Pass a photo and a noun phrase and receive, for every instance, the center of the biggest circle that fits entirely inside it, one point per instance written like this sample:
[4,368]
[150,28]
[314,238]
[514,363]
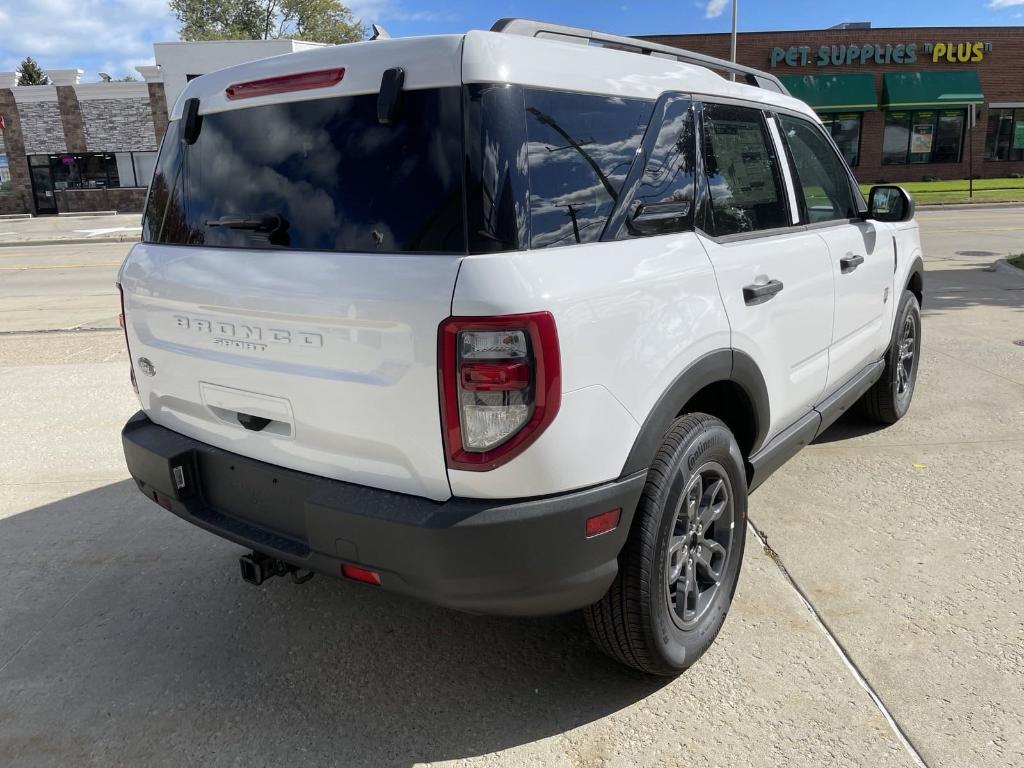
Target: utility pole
[732,45]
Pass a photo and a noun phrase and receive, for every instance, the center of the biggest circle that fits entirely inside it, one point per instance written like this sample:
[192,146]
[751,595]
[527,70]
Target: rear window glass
[316,175]
[580,149]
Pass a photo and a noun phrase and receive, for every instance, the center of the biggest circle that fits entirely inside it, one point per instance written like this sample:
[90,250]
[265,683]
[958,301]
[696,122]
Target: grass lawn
[985,190]
[1017,261]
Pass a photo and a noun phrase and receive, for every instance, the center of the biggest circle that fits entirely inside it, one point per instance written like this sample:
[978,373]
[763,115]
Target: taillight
[500,382]
[300,81]
[122,321]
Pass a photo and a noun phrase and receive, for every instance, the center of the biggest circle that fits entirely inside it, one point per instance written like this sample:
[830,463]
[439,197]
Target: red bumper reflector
[360,574]
[606,521]
[300,81]
[163,501]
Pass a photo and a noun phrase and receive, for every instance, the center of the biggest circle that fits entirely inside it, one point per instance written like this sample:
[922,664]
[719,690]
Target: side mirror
[890,203]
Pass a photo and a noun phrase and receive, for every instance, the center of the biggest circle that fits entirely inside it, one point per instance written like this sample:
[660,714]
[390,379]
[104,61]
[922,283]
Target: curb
[964,206]
[68,241]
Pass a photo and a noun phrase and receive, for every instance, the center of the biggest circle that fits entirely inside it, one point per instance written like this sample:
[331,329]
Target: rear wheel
[889,398]
[679,567]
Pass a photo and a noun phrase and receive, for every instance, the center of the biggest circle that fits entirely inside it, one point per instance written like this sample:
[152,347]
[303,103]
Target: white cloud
[1005,3]
[714,8]
[89,34]
[372,11]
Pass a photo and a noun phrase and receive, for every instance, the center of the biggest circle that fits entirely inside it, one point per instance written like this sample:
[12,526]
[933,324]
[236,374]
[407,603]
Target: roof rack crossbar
[543,29]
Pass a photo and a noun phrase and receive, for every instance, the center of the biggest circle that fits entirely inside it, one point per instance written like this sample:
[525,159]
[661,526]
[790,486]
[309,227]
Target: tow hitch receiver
[257,568]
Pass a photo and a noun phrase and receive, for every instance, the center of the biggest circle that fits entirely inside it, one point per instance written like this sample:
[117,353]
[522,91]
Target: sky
[116,35]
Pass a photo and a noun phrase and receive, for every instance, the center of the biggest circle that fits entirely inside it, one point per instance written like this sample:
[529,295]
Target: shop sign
[878,54]
[1018,134]
[921,139]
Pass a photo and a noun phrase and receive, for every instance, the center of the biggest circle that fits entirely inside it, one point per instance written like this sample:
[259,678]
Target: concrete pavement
[122,227]
[126,636]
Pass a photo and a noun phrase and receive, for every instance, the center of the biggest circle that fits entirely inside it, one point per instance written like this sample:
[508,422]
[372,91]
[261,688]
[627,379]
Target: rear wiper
[263,223]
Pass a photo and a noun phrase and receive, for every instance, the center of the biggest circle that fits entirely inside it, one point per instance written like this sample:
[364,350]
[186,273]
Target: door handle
[759,293]
[850,262]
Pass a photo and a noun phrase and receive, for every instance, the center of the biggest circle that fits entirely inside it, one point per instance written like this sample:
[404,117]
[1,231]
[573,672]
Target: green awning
[834,93]
[910,90]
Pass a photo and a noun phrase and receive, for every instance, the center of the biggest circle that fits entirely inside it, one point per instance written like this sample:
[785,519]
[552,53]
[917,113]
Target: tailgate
[330,359]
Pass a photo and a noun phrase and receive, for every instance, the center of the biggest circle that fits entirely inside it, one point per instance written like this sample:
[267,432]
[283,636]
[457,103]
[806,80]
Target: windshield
[316,175]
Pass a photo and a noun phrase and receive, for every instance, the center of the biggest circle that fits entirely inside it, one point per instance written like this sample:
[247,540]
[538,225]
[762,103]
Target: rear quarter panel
[630,316]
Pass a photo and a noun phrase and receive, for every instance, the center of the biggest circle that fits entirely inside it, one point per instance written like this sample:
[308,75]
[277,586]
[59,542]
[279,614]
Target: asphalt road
[126,637]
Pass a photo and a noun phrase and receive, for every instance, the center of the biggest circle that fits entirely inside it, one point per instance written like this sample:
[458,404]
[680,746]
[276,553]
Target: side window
[663,202]
[821,175]
[580,148]
[742,171]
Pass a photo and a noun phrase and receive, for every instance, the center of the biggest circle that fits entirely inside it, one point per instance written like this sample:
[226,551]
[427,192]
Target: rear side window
[663,202]
[821,176]
[316,175]
[742,171]
[580,148]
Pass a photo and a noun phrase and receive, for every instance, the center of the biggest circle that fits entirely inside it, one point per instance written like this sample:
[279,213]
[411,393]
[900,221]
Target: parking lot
[127,637]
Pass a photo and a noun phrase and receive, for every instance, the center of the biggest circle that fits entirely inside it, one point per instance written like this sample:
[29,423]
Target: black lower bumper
[513,557]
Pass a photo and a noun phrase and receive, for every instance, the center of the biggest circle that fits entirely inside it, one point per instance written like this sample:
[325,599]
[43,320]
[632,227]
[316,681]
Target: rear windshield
[316,175]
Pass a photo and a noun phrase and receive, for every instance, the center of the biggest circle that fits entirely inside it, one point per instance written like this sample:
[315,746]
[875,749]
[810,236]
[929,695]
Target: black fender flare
[916,268]
[720,365]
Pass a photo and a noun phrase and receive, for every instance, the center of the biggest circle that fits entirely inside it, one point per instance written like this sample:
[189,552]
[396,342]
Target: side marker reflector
[603,523]
[360,574]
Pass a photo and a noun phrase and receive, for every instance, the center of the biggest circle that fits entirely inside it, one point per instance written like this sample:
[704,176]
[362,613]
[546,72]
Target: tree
[321,21]
[31,74]
[127,79]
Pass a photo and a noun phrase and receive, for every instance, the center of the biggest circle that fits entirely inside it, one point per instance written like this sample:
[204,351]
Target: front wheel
[889,398]
[679,567]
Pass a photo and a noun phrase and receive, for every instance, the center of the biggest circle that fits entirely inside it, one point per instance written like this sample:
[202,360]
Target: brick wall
[122,200]
[999,72]
[42,127]
[118,125]
[19,199]
[71,117]
[158,105]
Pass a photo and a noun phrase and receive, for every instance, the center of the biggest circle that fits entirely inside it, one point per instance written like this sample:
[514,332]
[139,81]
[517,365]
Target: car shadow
[127,637]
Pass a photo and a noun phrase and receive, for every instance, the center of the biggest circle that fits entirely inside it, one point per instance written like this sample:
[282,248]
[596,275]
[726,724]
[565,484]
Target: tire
[646,620]
[889,398]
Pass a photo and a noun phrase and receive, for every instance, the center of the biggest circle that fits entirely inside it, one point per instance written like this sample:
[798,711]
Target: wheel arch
[915,280]
[726,384]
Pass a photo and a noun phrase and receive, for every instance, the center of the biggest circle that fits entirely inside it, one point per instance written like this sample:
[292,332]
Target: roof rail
[547,30]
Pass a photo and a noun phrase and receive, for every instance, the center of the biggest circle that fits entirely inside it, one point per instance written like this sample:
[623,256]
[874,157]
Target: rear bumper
[516,557]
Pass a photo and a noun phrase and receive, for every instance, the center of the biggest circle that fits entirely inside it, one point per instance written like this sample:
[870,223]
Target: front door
[42,186]
[861,252]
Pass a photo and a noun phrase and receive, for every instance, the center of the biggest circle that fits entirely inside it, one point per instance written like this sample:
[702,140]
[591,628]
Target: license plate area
[256,493]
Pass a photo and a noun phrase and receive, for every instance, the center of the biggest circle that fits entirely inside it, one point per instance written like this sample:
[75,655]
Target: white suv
[505,322]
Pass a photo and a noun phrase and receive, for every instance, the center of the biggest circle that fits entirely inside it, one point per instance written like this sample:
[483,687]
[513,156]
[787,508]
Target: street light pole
[732,45]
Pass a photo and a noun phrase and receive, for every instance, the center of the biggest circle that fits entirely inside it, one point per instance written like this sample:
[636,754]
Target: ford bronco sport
[507,322]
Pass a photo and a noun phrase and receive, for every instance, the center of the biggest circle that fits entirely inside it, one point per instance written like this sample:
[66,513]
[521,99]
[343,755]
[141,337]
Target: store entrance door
[42,188]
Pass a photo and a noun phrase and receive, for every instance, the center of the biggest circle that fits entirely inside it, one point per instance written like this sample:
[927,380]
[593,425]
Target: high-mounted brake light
[500,386]
[300,81]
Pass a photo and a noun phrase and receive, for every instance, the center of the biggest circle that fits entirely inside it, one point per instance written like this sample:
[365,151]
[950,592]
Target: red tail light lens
[500,384]
[301,81]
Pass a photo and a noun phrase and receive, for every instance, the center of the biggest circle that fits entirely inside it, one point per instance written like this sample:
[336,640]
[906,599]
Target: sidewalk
[50,230]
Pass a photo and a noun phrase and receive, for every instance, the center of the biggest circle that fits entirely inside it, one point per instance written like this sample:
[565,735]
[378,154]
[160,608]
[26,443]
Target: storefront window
[926,136]
[1004,135]
[896,138]
[5,169]
[85,171]
[845,130]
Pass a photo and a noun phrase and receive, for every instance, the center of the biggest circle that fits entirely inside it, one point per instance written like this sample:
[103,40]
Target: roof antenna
[379,33]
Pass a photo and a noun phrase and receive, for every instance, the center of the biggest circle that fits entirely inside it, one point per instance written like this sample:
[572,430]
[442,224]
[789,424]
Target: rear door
[860,251]
[297,261]
[774,276]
